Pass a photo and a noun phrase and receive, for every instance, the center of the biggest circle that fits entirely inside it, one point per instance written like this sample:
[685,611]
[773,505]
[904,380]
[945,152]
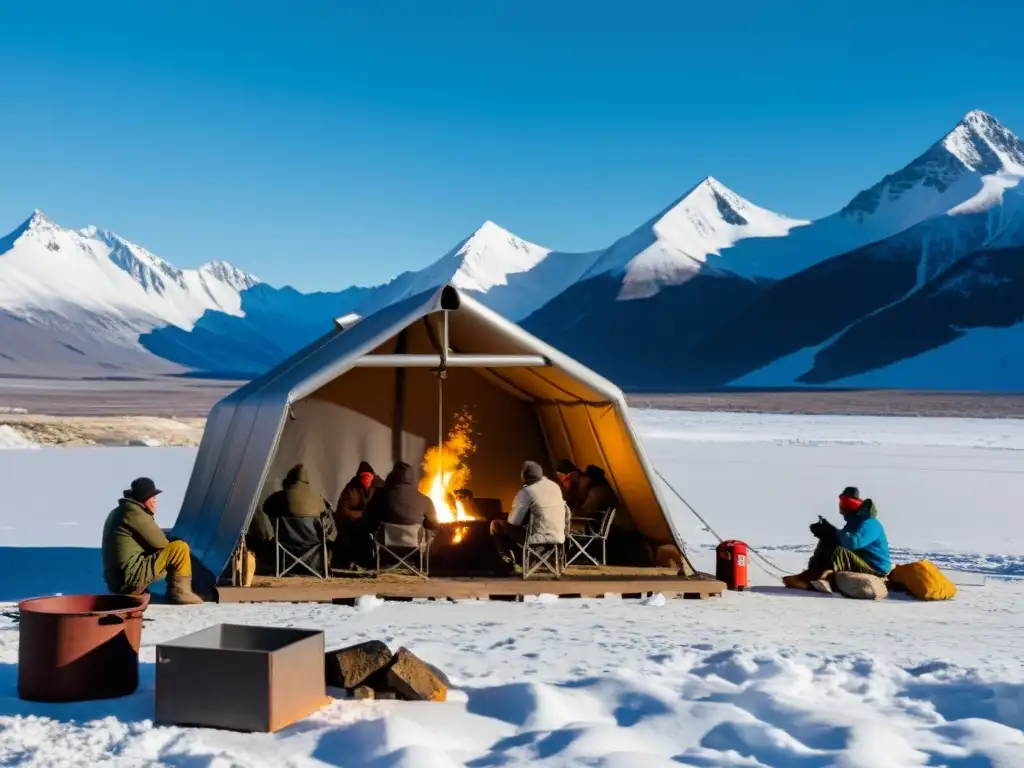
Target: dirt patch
[70,432]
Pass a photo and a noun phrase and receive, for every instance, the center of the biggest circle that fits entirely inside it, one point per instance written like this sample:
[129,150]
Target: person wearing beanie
[860,546]
[568,475]
[539,500]
[136,553]
[354,545]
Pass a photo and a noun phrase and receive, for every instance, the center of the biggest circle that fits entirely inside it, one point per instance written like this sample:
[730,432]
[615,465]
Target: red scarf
[365,478]
[849,504]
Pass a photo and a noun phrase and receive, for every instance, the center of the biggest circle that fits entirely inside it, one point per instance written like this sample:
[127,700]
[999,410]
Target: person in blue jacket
[860,546]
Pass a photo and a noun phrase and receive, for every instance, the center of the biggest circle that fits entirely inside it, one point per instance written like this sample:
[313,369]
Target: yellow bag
[923,580]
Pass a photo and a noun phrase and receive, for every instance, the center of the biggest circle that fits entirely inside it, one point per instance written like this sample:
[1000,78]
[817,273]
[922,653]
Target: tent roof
[243,429]
[474,329]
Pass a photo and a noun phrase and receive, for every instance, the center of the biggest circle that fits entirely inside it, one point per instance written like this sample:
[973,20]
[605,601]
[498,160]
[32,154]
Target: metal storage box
[240,678]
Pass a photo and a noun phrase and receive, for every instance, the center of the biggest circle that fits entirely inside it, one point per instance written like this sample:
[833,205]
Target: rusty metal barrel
[79,647]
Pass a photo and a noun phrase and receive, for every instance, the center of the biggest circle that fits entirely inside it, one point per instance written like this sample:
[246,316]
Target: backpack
[923,580]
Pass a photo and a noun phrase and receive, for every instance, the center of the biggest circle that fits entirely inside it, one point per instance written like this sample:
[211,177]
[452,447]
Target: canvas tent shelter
[369,390]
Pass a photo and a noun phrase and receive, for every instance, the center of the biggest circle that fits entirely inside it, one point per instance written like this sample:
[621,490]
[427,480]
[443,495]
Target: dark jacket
[571,489]
[595,499]
[297,499]
[864,535]
[354,497]
[401,503]
[131,538]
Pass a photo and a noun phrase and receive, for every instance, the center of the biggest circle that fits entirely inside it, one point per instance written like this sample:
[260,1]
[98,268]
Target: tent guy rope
[713,532]
[960,578]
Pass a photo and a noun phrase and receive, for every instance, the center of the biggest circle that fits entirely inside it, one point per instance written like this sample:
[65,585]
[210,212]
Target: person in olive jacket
[136,553]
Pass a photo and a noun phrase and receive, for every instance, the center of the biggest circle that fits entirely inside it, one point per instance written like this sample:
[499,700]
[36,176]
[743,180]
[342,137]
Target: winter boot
[822,585]
[796,581]
[179,591]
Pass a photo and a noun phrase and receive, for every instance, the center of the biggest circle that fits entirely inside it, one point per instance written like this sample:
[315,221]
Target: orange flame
[445,472]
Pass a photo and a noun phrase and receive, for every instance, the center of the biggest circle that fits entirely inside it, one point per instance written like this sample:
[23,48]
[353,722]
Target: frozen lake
[764,678]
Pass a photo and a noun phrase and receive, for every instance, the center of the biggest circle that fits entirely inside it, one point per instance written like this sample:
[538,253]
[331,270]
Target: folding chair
[408,545]
[541,556]
[580,542]
[286,559]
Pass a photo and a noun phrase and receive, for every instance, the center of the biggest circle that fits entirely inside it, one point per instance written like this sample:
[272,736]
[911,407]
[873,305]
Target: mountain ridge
[712,268]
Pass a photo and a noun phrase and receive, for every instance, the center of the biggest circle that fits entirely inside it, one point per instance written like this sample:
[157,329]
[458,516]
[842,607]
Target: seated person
[400,502]
[136,553]
[357,494]
[626,546]
[302,513]
[568,475]
[595,495]
[540,500]
[353,544]
[860,546]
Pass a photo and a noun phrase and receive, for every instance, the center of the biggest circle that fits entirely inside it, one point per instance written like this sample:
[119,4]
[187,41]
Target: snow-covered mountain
[88,302]
[511,275]
[712,290]
[760,308]
[968,167]
[93,278]
[684,239]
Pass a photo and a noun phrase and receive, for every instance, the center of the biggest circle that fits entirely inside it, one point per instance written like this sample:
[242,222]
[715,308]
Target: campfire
[446,476]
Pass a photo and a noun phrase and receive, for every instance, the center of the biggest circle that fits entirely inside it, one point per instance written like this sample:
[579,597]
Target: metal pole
[440,423]
[451,361]
[444,340]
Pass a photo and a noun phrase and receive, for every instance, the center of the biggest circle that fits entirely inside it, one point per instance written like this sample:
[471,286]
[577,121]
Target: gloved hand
[822,528]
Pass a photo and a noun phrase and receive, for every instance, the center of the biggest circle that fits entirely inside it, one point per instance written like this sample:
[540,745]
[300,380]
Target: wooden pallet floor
[628,582]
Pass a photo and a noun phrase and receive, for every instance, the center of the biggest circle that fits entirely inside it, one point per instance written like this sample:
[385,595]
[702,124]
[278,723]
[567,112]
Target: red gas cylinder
[731,564]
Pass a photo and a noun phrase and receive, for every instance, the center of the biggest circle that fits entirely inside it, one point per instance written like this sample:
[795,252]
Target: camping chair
[287,557]
[542,556]
[580,543]
[408,545]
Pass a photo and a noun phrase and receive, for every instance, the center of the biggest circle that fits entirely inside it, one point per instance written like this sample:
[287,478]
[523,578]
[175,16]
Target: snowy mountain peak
[948,174]
[228,274]
[678,242]
[38,217]
[97,280]
[486,258]
[709,196]
[37,222]
[983,144]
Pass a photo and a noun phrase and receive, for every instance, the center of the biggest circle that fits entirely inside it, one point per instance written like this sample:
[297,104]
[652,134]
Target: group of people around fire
[136,551]
[367,501]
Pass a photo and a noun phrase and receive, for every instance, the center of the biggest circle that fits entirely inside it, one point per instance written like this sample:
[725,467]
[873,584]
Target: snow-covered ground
[767,677]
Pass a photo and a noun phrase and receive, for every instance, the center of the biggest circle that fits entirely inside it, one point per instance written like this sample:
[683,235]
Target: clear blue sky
[328,143]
